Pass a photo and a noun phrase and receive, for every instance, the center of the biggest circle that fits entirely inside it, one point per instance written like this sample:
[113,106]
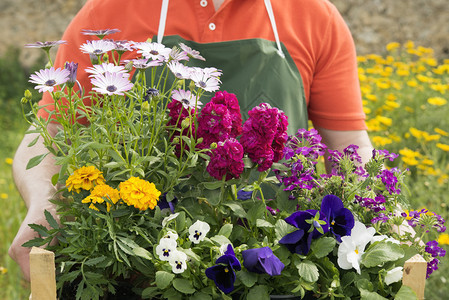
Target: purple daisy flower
[190,52]
[177,55]
[47,79]
[262,260]
[111,84]
[97,47]
[45,45]
[99,33]
[143,63]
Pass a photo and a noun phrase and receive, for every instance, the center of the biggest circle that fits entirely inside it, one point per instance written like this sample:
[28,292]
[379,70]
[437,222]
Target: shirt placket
[210,21]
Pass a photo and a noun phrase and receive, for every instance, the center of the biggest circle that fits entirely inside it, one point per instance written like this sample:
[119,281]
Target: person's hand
[21,254]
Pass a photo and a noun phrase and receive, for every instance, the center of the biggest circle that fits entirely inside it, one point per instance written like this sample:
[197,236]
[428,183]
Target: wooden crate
[43,283]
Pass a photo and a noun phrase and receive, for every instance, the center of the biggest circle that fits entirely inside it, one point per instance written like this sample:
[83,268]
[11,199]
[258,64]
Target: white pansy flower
[178,262]
[166,248]
[171,234]
[168,219]
[198,231]
[394,275]
[353,246]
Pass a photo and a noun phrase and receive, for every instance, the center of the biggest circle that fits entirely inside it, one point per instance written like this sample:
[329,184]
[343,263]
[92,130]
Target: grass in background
[405,94]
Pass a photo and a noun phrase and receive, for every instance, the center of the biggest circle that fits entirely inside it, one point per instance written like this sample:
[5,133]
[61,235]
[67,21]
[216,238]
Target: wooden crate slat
[42,274]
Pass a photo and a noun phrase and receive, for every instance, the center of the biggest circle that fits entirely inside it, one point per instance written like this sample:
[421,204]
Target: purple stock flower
[433,249]
[384,154]
[231,102]
[351,152]
[340,219]
[390,180]
[222,273]
[299,241]
[432,266]
[226,160]
[375,204]
[262,260]
[214,124]
[381,217]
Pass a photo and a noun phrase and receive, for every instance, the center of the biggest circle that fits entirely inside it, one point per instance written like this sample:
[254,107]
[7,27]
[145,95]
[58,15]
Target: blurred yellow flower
[409,109]
[3,270]
[100,193]
[403,72]
[371,97]
[4,196]
[423,78]
[9,160]
[84,178]
[139,193]
[409,44]
[412,83]
[392,46]
[381,141]
[443,239]
[427,161]
[384,120]
[440,131]
[443,147]
[438,101]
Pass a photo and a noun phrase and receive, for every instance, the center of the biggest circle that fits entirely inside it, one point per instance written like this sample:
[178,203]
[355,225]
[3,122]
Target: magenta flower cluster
[226,160]
[264,135]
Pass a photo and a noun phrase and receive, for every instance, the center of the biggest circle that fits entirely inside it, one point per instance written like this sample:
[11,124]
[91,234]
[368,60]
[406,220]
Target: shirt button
[203,3]
[211,26]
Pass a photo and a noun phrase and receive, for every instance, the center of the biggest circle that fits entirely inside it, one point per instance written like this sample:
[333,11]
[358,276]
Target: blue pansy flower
[223,273]
[299,241]
[262,260]
[244,195]
[340,219]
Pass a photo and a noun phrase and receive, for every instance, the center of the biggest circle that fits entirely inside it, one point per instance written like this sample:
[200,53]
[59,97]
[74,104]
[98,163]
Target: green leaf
[200,296]
[34,141]
[367,295]
[36,160]
[308,271]
[263,223]
[212,185]
[405,293]
[220,240]
[323,246]
[381,253]
[36,242]
[259,292]
[54,179]
[142,252]
[42,230]
[257,211]
[237,209]
[226,230]
[51,221]
[95,261]
[163,279]
[183,285]
[247,278]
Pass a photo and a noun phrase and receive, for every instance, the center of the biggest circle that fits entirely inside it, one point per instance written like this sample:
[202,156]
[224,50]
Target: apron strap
[273,25]
[163,18]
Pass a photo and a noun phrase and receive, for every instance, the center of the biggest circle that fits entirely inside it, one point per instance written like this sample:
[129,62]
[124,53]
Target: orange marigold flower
[100,193]
[139,193]
[84,178]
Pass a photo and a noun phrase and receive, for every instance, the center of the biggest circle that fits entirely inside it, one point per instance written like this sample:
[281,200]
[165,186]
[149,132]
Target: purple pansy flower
[244,195]
[299,241]
[262,260]
[223,272]
[340,219]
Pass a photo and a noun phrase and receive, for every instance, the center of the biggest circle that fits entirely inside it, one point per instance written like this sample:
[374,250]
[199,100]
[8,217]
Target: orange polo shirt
[313,32]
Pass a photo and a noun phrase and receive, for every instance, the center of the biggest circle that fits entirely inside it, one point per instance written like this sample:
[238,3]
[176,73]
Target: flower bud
[185,123]
[192,85]
[180,84]
[105,57]
[109,114]
[27,94]
[72,68]
[58,95]
[200,140]
[129,66]
[24,100]
[176,140]
[145,106]
[213,145]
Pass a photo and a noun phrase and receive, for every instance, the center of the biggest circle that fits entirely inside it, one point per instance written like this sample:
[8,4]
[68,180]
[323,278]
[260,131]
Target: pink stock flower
[226,160]
[214,124]
[231,102]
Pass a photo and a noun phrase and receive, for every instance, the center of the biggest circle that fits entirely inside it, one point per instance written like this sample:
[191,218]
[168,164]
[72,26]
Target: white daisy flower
[144,63]
[178,262]
[198,231]
[179,70]
[353,246]
[106,67]
[111,84]
[153,50]
[97,47]
[190,52]
[204,80]
[47,79]
[166,248]
[186,98]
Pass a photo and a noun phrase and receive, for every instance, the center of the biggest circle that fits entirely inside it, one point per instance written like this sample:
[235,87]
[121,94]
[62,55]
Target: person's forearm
[34,184]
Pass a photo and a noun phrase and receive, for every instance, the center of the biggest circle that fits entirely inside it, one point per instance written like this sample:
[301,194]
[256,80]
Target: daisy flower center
[111,88]
[185,101]
[50,82]
[97,52]
[202,84]
[154,52]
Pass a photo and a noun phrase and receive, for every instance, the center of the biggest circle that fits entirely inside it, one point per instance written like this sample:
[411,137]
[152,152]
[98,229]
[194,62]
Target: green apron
[255,71]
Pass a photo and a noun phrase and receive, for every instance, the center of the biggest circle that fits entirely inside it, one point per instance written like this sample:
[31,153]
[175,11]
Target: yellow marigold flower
[443,147]
[443,239]
[139,193]
[8,160]
[392,46]
[384,120]
[4,196]
[416,132]
[3,270]
[84,178]
[438,101]
[100,193]
[440,131]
